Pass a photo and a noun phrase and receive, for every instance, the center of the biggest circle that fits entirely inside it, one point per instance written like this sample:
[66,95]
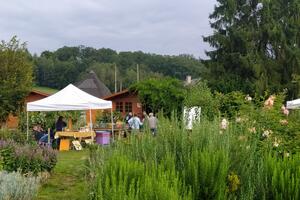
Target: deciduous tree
[15,76]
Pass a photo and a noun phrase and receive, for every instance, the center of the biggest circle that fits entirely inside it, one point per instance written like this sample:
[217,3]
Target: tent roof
[69,98]
[295,104]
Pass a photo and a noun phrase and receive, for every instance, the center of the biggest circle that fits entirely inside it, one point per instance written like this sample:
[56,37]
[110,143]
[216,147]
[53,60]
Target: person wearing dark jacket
[60,124]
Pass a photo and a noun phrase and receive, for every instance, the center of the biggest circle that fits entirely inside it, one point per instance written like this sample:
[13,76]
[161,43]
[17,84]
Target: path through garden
[68,178]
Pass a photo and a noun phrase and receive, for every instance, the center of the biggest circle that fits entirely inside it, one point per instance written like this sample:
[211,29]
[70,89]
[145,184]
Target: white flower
[267,133]
[238,119]
[224,124]
[276,143]
[287,154]
[248,98]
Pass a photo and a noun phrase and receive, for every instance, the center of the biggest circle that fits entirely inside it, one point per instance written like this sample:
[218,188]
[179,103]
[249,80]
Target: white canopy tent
[67,99]
[295,104]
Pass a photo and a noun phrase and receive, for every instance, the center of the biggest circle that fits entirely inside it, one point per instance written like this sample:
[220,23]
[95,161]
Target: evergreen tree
[256,45]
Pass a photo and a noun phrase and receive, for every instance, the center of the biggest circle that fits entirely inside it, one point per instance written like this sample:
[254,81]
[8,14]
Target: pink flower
[284,110]
[269,102]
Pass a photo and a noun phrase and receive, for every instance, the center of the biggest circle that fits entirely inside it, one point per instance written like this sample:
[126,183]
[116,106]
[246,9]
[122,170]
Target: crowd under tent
[69,98]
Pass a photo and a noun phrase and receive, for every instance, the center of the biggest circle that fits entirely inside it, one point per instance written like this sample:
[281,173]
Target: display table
[74,134]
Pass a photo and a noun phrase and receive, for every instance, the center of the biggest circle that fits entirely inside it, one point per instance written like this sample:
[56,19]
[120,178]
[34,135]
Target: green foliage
[69,64]
[157,95]
[256,46]
[231,103]
[26,158]
[14,135]
[15,76]
[14,186]
[47,119]
[206,163]
[200,95]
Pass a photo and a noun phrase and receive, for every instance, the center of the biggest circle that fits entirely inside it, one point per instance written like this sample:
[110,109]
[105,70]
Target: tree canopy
[256,46]
[163,94]
[15,76]
[68,64]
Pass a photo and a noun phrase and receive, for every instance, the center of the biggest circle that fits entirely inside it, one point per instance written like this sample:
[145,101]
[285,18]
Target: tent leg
[27,126]
[112,123]
[48,136]
[91,125]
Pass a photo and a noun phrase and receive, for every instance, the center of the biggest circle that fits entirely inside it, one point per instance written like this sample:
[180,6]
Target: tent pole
[91,125]
[49,137]
[112,123]
[27,125]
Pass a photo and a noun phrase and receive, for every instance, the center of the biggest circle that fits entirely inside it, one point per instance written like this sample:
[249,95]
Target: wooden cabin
[125,102]
[13,121]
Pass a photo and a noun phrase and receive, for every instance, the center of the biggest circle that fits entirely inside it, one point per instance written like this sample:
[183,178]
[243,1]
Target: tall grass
[206,163]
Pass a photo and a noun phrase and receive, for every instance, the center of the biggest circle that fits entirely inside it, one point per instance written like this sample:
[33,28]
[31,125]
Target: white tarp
[190,116]
[69,98]
[295,104]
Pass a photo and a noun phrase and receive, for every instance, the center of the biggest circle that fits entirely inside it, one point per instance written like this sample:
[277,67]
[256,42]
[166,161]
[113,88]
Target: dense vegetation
[211,162]
[15,76]
[256,46]
[69,64]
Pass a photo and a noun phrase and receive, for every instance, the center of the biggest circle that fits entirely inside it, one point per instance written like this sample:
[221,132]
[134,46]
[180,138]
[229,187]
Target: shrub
[15,135]
[205,163]
[14,186]
[26,158]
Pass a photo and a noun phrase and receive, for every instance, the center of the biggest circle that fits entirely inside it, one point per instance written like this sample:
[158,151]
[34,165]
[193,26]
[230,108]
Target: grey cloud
[164,27]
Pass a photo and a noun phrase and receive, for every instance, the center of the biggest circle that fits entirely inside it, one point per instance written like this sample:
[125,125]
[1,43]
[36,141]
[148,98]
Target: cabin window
[119,106]
[128,107]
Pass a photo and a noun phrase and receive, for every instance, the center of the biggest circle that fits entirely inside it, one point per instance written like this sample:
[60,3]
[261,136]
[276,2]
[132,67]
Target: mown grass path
[68,178]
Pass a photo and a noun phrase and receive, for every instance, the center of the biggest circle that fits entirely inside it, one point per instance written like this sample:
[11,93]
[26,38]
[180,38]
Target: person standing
[60,124]
[135,123]
[152,123]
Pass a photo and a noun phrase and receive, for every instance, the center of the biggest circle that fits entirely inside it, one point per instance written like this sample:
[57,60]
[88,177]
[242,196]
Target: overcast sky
[154,26]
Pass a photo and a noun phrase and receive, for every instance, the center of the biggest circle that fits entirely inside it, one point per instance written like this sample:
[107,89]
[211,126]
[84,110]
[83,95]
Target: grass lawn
[68,178]
[46,90]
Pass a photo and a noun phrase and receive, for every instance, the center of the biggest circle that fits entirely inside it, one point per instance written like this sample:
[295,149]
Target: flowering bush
[14,186]
[26,158]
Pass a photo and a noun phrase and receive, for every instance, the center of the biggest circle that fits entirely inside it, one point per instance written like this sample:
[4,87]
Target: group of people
[132,120]
[41,136]
[135,123]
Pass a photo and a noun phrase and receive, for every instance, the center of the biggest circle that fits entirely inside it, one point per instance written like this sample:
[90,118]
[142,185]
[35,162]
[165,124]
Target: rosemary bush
[206,163]
[14,186]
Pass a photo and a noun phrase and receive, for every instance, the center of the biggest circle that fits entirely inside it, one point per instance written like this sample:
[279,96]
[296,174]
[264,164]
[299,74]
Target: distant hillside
[69,64]
[46,90]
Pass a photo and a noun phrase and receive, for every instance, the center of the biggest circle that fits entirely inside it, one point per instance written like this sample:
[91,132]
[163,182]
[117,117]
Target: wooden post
[48,136]
[112,124]
[27,123]
[137,73]
[91,126]
[116,89]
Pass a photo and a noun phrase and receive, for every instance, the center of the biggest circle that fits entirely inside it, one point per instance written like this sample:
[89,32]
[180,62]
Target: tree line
[70,64]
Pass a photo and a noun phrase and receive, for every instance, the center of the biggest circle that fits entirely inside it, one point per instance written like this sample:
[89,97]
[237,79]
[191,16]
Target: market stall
[70,98]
